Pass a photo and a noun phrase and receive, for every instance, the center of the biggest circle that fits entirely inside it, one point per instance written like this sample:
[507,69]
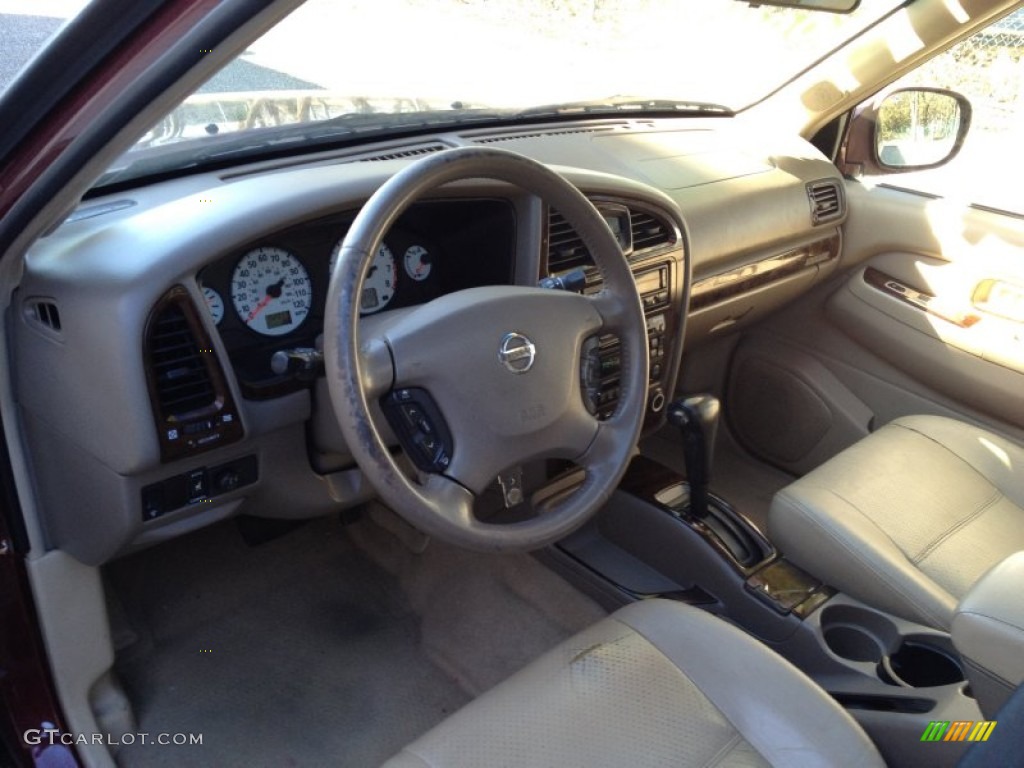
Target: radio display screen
[650,282]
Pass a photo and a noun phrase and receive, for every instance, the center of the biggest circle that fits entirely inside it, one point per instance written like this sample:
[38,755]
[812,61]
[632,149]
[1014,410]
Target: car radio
[601,376]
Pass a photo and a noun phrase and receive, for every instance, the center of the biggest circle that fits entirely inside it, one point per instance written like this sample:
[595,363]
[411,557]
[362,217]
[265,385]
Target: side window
[987,69]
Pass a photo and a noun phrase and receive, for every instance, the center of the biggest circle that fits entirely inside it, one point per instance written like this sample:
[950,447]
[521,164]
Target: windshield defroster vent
[191,402]
[538,134]
[827,203]
[426,149]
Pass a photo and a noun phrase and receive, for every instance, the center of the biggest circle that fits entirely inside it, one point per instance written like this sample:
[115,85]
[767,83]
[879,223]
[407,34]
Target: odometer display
[271,291]
[277,319]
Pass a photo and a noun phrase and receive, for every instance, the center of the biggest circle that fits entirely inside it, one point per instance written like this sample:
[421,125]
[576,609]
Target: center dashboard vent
[648,231]
[566,249]
[827,203]
[192,404]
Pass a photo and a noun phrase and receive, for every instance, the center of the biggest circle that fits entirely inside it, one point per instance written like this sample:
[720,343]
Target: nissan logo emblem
[517,352]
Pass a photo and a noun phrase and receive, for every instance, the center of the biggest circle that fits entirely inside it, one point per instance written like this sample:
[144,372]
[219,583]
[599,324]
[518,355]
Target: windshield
[338,68]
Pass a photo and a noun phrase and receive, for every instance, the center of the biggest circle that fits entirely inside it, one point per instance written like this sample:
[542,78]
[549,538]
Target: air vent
[565,248]
[425,149]
[537,134]
[181,380]
[826,201]
[567,251]
[648,231]
[43,312]
[191,400]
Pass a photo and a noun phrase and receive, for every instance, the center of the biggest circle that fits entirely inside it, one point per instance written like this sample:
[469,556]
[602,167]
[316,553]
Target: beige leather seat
[654,684]
[908,518]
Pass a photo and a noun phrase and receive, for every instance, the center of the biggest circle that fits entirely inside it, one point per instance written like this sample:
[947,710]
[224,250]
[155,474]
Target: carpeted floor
[308,651]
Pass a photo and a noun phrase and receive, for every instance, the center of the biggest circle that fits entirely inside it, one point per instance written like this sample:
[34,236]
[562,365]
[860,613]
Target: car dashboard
[434,248]
[165,333]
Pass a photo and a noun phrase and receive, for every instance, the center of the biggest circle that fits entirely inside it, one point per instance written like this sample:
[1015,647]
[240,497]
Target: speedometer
[271,291]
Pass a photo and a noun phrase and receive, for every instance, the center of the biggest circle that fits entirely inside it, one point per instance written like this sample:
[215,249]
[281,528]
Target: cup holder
[852,643]
[919,664]
[857,634]
[861,635]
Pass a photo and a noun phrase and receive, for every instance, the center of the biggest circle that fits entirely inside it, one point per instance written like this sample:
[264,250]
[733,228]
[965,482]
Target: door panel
[925,317]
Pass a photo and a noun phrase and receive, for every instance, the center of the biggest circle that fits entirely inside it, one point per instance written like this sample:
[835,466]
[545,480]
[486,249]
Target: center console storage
[988,630]
[865,636]
[893,675]
[646,543]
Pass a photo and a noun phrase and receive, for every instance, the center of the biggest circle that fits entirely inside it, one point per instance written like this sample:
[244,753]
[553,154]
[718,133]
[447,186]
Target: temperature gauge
[417,262]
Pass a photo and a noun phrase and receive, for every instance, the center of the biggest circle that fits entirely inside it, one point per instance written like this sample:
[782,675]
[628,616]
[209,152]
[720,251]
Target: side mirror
[911,129]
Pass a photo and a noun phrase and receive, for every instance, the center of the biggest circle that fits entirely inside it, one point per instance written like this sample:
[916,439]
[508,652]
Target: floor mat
[485,616]
[297,652]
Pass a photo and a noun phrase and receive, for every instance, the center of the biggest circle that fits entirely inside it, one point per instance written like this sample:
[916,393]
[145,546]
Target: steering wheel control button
[590,374]
[517,353]
[417,421]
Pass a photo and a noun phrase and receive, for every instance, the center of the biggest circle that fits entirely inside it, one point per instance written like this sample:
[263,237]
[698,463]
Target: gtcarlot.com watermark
[50,737]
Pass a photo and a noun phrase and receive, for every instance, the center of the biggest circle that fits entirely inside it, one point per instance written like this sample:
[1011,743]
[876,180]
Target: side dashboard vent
[649,231]
[44,314]
[191,401]
[827,202]
[565,248]
[181,380]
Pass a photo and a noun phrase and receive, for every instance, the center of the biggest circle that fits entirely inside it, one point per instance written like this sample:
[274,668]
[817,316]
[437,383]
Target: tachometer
[381,279]
[271,291]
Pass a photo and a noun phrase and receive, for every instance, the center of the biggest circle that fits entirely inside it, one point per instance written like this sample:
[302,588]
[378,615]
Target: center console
[666,535]
[988,630]
[655,250]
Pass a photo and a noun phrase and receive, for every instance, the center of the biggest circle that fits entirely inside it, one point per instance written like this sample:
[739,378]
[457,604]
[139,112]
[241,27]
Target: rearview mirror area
[920,128]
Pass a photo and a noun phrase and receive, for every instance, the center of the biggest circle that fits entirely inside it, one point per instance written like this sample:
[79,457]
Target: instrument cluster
[269,295]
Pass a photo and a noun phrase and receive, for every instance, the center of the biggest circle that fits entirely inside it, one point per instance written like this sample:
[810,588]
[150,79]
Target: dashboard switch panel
[197,486]
[421,428]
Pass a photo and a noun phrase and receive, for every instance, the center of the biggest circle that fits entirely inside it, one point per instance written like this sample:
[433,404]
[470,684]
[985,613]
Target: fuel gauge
[417,262]
[214,303]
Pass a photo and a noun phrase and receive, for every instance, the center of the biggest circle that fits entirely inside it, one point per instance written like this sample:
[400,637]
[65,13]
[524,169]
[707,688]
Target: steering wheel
[484,379]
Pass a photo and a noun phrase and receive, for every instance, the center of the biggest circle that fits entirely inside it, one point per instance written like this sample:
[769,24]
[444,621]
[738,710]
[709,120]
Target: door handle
[1001,298]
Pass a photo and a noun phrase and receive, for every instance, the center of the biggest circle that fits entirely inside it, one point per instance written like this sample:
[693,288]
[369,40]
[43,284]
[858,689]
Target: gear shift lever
[697,419]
